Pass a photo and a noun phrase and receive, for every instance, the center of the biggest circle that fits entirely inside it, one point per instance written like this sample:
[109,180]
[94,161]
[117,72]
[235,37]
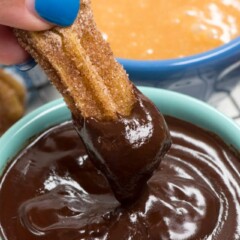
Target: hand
[33,15]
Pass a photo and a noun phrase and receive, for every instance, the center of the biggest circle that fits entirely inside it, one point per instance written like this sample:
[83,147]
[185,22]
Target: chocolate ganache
[53,191]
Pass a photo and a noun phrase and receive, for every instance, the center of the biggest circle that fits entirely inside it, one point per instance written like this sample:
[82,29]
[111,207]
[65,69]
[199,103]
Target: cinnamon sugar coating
[81,65]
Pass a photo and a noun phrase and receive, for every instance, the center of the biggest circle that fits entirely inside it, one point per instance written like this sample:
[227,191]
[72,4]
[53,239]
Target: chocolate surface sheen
[52,191]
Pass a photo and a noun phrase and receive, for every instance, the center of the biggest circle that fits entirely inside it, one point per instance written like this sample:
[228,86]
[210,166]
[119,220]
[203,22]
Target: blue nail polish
[26,65]
[59,12]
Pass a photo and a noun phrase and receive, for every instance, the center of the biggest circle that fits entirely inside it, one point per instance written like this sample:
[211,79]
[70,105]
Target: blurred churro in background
[12,98]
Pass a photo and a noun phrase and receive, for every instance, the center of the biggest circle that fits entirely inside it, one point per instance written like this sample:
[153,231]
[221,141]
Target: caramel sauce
[160,29]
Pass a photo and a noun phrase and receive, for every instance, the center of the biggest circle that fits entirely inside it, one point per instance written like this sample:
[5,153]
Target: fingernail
[26,65]
[59,12]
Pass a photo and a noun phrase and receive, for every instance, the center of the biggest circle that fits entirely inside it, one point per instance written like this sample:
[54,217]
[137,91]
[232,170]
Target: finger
[20,14]
[38,14]
[10,51]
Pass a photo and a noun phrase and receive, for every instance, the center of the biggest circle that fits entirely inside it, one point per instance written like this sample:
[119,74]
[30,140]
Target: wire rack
[228,102]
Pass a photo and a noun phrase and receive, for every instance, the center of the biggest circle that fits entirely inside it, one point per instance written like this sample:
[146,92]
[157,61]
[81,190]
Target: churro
[81,65]
[124,133]
[12,96]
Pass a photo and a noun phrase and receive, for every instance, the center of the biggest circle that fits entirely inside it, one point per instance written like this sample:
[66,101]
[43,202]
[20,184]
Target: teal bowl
[169,103]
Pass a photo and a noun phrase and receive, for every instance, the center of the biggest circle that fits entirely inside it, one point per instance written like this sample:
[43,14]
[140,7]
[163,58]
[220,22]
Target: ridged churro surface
[81,65]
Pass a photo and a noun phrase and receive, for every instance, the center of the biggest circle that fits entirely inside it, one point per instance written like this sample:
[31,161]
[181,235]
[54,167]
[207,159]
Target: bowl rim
[220,52]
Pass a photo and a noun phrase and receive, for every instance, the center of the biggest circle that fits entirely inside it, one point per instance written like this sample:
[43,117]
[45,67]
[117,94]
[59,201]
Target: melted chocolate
[129,149]
[53,191]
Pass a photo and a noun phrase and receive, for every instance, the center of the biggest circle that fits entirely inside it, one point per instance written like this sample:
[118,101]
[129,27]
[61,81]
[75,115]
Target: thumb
[35,15]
